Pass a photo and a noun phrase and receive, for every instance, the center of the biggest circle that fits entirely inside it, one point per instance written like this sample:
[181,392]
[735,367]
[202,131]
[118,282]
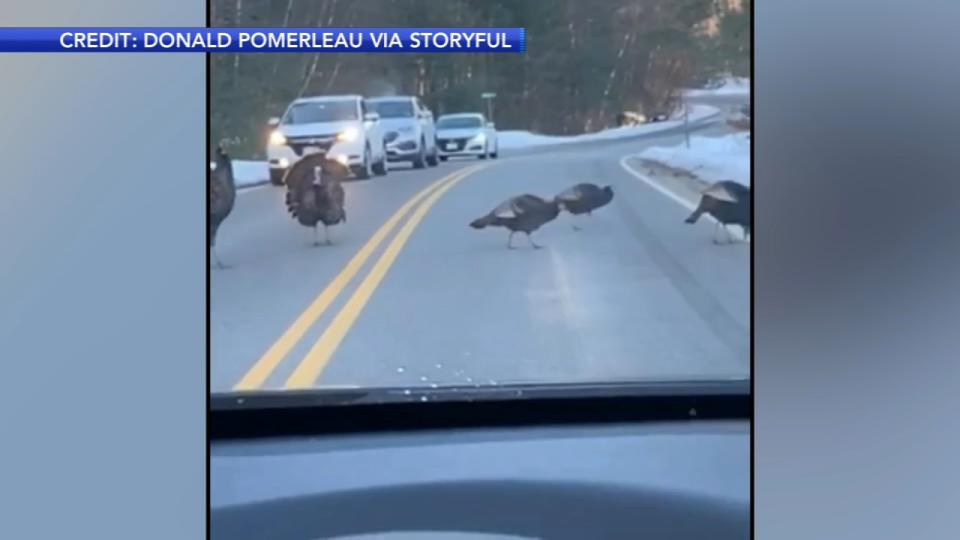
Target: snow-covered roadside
[709,158]
[250,173]
[732,86]
[510,140]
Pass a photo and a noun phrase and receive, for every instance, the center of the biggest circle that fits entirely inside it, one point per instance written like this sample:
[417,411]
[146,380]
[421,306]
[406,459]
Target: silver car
[408,129]
[466,134]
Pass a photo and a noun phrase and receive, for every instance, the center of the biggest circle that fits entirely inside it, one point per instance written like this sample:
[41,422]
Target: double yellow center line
[319,355]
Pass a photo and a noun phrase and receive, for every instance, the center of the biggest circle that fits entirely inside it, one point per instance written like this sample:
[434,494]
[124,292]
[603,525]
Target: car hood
[318,128]
[394,124]
[460,133]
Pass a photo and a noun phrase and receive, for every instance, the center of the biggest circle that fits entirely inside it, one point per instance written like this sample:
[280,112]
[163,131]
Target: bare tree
[585,61]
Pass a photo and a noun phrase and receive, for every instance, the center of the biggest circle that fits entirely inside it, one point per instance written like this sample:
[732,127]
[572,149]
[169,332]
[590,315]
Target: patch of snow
[731,86]
[524,139]
[249,173]
[710,158]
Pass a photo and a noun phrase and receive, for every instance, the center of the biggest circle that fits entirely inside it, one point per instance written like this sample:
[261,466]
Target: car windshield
[392,109]
[598,233]
[311,112]
[459,122]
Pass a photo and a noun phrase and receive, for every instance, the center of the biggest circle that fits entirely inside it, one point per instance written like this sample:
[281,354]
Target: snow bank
[731,86]
[249,173]
[710,158]
[509,140]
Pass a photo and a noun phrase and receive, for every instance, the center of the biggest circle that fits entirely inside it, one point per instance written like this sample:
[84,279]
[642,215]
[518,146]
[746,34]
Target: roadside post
[488,96]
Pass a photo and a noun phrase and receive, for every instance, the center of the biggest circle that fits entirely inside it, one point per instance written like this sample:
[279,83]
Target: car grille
[459,142]
[321,142]
[407,145]
[390,137]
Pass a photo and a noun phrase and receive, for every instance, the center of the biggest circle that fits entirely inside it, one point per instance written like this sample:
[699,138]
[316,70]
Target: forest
[585,61]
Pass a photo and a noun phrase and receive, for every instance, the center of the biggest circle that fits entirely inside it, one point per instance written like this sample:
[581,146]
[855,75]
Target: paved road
[636,294]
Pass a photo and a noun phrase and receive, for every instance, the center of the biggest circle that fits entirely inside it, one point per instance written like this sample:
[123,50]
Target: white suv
[340,126]
[408,129]
[466,134]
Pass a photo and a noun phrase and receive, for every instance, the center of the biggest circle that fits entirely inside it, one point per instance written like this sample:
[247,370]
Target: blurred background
[856,261]
[103,282]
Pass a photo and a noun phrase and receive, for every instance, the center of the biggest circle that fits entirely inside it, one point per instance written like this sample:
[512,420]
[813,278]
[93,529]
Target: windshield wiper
[270,399]
[352,410]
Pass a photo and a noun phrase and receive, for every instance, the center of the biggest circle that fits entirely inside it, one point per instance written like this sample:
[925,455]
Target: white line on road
[656,185]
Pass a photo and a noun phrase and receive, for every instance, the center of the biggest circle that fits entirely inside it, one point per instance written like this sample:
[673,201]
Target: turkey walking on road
[315,193]
[729,203]
[221,196]
[524,213]
[584,199]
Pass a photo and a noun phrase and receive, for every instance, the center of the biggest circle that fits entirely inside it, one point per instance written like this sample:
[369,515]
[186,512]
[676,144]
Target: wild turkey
[524,213]
[222,194]
[584,199]
[315,194]
[729,203]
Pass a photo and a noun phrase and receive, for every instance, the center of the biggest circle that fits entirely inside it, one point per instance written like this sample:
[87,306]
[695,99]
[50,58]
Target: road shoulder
[681,186]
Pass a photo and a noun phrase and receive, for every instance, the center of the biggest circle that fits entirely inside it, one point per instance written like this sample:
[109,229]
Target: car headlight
[277,138]
[349,134]
[478,138]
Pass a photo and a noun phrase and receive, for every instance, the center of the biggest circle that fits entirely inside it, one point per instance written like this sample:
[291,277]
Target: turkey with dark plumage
[315,193]
[584,199]
[729,203]
[524,213]
[222,192]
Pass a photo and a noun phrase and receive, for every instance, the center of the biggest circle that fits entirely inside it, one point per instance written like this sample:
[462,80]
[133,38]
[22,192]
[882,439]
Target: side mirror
[371,117]
[491,125]
[273,122]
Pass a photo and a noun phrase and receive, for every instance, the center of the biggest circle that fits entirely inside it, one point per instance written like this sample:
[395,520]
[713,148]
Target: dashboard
[677,480]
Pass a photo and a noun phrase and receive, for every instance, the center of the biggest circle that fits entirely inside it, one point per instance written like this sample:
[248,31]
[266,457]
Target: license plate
[307,150]
[451,146]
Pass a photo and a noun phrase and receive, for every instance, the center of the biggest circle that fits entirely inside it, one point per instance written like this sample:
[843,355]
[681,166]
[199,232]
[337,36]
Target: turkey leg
[532,243]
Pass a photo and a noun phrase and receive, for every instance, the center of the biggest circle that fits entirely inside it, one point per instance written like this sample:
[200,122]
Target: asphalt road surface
[409,295]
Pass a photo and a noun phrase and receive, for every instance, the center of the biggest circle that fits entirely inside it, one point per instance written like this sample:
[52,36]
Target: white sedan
[466,134]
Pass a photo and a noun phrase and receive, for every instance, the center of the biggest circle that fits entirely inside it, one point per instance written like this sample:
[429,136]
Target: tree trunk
[236,56]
